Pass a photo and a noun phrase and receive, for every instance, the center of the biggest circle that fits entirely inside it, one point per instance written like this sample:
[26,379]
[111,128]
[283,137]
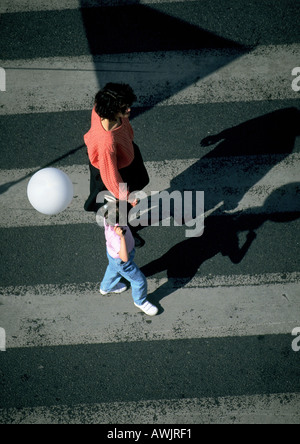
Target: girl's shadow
[221,235]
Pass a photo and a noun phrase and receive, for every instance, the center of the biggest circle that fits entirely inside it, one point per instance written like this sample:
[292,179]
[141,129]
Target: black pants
[96,186]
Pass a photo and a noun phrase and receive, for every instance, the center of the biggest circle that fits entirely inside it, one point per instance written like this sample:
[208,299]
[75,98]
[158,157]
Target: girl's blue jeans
[129,270]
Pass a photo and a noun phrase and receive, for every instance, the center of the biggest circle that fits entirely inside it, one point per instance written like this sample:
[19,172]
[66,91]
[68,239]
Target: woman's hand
[134,203]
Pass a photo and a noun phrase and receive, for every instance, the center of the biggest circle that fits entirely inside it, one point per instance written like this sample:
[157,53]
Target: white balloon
[50,191]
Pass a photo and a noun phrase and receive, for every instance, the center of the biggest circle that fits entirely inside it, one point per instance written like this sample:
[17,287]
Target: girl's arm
[123,250]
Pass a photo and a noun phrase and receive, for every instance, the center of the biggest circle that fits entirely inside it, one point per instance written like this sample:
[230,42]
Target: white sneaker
[119,288]
[148,308]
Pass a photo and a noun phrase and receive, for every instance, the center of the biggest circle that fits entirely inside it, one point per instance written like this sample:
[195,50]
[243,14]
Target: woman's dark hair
[110,99]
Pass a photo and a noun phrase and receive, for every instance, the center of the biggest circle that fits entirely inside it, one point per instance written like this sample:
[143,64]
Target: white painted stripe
[251,183]
[278,408]
[12,6]
[165,78]
[244,280]
[52,315]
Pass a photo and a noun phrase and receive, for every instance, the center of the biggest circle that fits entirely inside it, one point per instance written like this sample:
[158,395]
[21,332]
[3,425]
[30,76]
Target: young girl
[120,252]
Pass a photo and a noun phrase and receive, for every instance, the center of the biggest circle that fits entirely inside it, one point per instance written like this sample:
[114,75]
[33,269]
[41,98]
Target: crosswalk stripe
[229,306]
[210,76]
[195,282]
[234,180]
[7,6]
[259,409]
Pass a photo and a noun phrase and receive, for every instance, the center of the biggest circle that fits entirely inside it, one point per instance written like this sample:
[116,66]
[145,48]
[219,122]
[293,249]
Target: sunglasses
[124,108]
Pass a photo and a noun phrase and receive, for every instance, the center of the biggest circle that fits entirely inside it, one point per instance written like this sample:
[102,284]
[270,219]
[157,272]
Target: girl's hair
[112,214]
[110,99]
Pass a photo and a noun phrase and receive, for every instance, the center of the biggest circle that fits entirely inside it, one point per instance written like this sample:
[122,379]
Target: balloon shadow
[6,186]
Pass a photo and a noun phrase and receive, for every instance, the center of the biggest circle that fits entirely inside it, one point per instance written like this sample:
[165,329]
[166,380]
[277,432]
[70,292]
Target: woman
[113,156]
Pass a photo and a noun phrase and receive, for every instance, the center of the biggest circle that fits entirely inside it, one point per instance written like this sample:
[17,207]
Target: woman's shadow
[245,153]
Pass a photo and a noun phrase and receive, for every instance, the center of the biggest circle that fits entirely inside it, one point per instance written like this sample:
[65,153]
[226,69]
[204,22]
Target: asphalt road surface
[217,111]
